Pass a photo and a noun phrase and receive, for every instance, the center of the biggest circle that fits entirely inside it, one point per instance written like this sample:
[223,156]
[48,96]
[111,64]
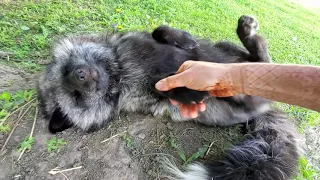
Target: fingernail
[173,102]
[184,114]
[160,85]
[202,107]
[193,115]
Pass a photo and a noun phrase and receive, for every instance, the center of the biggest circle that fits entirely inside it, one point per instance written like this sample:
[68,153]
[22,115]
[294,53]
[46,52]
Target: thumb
[171,82]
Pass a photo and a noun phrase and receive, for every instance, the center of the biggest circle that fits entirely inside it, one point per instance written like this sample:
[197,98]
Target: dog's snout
[94,74]
[80,74]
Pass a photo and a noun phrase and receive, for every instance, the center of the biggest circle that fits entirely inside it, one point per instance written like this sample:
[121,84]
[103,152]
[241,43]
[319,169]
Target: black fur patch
[59,122]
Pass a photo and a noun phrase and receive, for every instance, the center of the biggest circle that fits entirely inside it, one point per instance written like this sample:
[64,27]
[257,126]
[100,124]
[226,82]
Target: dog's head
[78,82]
[82,64]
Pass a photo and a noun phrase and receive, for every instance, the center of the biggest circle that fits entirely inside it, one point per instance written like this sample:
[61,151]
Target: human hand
[215,78]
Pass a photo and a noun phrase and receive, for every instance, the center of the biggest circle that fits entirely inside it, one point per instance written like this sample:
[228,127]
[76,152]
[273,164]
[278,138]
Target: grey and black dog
[94,77]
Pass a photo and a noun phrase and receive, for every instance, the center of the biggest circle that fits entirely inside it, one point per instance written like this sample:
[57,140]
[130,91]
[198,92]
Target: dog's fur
[94,77]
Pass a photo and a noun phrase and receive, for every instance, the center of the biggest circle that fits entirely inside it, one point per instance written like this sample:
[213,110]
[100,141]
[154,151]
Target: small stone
[143,152]
[18,176]
[141,136]
[84,137]
[169,126]
[157,158]
[162,136]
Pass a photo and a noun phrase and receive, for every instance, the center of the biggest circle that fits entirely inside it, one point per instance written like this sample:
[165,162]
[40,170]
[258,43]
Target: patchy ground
[312,138]
[128,148]
[136,144]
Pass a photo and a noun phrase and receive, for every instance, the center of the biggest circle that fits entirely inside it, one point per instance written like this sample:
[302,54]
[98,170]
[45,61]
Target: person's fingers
[180,79]
[201,107]
[173,102]
[186,65]
[193,110]
[184,110]
[171,82]
[189,110]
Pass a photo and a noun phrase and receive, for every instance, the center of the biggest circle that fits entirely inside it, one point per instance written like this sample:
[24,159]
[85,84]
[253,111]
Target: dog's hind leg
[255,43]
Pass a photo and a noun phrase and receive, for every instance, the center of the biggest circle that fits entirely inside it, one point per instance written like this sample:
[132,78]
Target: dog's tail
[269,151]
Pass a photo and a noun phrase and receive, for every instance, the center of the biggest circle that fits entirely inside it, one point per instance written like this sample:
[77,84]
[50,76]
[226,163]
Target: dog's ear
[59,121]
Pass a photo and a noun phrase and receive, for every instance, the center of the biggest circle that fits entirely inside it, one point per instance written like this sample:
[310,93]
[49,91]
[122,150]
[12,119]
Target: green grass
[55,144]
[186,160]
[26,143]
[28,28]
[128,140]
[306,171]
[11,103]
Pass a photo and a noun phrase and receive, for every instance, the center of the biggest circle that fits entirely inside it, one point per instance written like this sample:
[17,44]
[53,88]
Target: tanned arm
[293,84]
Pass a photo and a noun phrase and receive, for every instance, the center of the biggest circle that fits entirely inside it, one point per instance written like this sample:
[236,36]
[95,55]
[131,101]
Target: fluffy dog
[94,77]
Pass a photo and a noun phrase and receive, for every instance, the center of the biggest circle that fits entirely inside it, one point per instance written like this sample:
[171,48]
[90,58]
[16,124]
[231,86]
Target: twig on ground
[64,176]
[57,170]
[14,127]
[33,125]
[3,159]
[209,148]
[184,131]
[113,136]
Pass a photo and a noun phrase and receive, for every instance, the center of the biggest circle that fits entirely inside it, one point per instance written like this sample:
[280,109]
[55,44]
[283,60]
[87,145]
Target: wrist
[236,77]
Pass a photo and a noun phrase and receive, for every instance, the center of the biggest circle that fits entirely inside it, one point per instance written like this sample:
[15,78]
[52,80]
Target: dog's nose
[81,74]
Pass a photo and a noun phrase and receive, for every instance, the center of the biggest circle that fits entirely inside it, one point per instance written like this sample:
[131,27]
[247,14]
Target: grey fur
[131,91]
[92,78]
[269,151]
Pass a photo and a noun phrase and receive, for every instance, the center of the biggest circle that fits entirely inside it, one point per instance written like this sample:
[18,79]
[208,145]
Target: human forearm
[293,84]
